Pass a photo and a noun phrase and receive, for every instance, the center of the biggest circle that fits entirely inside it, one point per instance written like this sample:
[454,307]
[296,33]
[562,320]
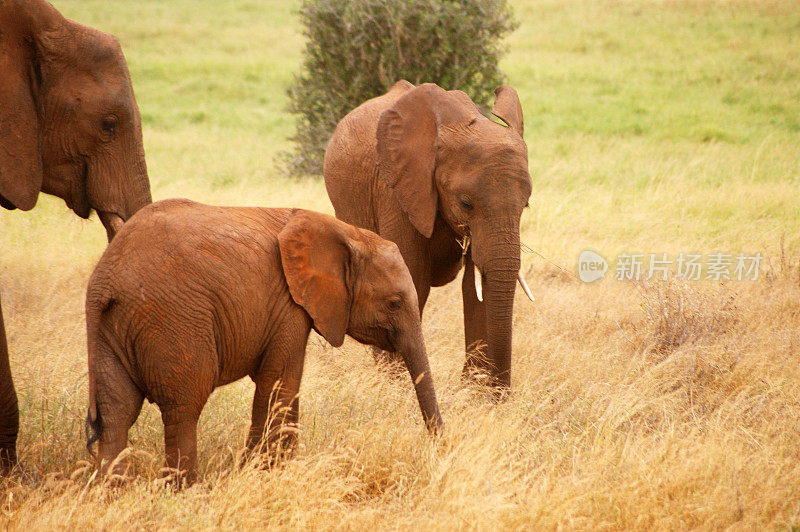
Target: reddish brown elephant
[190,297]
[70,127]
[423,167]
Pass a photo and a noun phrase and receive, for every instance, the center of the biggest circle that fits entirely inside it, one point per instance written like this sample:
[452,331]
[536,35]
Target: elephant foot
[266,459]
[486,383]
[477,368]
[476,375]
[8,460]
[260,458]
[169,478]
[268,455]
[498,393]
[120,480]
[11,468]
[480,372]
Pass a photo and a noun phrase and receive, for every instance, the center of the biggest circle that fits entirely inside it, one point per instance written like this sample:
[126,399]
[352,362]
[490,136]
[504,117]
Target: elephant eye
[466,203]
[109,125]
[395,303]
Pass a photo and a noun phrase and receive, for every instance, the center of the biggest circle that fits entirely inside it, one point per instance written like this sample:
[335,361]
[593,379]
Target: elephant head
[69,123]
[351,281]
[444,159]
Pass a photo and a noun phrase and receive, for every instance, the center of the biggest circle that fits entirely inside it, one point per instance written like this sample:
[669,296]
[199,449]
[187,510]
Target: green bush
[358,49]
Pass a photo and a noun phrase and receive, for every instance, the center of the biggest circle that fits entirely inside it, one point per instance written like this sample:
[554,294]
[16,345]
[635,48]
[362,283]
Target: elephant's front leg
[9,411]
[476,364]
[276,405]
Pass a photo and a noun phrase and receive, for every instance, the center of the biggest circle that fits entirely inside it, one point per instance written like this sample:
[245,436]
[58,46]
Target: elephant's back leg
[119,401]
[181,373]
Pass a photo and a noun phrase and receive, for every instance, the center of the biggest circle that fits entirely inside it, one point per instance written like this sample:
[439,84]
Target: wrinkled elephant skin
[70,127]
[422,167]
[190,297]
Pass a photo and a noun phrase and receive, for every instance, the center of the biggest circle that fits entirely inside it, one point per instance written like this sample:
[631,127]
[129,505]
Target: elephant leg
[119,402]
[9,410]
[276,403]
[476,364]
[180,442]
[179,378]
[279,407]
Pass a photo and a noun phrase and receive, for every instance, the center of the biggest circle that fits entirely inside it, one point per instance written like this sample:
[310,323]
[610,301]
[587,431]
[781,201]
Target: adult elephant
[423,167]
[70,127]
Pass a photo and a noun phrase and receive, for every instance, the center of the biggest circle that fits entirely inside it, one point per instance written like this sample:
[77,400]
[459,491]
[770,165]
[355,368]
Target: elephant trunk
[500,272]
[500,287]
[415,357]
[135,188]
[139,190]
[112,223]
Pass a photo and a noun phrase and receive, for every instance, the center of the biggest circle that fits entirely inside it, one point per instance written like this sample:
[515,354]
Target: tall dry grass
[668,405]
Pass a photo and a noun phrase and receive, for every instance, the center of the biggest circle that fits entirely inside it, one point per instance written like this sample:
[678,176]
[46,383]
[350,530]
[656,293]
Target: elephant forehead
[498,146]
[488,162]
[105,94]
[390,264]
[385,257]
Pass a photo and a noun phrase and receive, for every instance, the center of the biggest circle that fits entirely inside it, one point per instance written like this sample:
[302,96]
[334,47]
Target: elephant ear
[508,109]
[20,159]
[407,141]
[407,154]
[316,262]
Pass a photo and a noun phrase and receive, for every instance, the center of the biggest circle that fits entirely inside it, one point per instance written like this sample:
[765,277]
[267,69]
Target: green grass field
[652,127]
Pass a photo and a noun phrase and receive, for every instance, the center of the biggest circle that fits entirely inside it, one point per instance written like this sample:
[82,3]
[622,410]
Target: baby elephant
[189,297]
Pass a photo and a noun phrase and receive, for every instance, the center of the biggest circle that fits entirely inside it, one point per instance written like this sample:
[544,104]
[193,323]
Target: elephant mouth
[382,337]
[79,200]
[390,335]
[479,282]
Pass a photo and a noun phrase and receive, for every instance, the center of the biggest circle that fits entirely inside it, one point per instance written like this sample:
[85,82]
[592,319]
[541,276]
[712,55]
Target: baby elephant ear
[316,262]
[508,109]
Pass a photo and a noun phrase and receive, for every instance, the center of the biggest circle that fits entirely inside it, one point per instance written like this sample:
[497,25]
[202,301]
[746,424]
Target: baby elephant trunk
[416,359]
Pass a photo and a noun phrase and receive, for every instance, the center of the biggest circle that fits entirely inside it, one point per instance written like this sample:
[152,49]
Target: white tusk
[524,285]
[478,285]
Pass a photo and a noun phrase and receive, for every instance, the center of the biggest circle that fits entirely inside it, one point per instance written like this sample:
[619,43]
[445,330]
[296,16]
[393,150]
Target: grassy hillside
[652,127]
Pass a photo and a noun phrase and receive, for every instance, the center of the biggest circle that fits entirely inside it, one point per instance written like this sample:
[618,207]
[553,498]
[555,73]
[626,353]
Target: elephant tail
[94,428]
[96,304]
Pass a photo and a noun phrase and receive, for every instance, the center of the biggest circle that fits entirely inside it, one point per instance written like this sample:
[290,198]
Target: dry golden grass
[667,405]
